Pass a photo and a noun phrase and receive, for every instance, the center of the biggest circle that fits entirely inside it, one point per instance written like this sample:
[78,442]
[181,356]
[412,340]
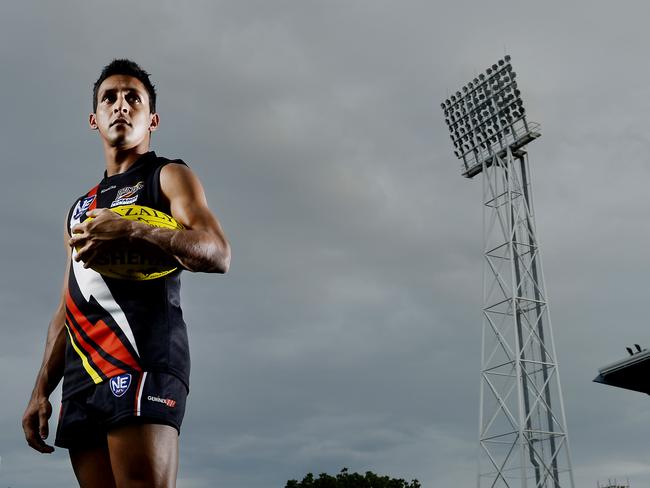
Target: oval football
[130,263]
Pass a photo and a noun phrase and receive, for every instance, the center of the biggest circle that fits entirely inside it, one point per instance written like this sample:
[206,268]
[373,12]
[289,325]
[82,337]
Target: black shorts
[153,398]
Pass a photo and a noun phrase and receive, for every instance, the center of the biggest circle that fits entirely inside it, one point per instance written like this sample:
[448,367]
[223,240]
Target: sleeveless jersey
[122,327]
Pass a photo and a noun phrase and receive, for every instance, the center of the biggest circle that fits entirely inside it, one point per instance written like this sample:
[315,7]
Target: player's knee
[143,474]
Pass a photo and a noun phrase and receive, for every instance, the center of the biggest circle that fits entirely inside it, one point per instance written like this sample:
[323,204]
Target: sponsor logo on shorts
[120,384]
[82,206]
[167,401]
[127,195]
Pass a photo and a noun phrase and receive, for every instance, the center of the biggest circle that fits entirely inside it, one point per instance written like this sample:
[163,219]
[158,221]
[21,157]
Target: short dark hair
[129,68]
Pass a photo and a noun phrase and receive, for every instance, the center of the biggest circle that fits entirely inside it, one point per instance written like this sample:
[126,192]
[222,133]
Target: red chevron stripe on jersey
[100,333]
[107,369]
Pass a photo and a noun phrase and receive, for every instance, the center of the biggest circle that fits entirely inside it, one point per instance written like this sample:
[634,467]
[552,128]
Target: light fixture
[485,116]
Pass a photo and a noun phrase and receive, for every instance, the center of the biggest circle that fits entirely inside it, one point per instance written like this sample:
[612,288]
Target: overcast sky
[347,332]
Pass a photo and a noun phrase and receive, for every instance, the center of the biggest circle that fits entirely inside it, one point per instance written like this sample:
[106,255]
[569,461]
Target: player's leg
[144,455]
[92,467]
[80,433]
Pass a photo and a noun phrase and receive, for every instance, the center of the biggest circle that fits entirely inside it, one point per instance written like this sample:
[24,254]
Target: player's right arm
[39,408]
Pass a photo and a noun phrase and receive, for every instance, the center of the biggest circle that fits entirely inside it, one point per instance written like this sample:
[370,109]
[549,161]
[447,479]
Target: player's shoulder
[165,161]
[171,171]
[175,169]
[176,178]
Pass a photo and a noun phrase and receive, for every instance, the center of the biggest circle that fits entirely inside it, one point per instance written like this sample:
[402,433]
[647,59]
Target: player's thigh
[92,467]
[144,455]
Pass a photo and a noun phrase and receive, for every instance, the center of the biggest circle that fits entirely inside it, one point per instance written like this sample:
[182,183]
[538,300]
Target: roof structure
[631,373]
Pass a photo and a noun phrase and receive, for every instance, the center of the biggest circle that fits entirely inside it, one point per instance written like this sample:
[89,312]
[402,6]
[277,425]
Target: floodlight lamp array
[485,116]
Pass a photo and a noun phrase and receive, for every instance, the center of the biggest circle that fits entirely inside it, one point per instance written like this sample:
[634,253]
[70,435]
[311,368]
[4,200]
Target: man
[121,345]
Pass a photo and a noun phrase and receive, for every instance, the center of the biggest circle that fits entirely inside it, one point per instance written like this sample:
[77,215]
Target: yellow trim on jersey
[84,360]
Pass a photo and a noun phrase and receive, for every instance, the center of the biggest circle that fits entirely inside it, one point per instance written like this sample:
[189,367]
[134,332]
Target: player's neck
[119,160]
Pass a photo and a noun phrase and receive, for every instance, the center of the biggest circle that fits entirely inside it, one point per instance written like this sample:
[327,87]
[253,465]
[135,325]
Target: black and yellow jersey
[117,326]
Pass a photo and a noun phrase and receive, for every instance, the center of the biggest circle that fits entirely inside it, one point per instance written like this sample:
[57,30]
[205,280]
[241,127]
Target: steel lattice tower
[522,427]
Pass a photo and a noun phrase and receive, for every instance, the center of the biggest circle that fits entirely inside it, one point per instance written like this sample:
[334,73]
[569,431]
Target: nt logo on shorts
[120,384]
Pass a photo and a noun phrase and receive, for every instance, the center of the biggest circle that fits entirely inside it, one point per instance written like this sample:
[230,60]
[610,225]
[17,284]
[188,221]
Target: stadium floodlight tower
[522,428]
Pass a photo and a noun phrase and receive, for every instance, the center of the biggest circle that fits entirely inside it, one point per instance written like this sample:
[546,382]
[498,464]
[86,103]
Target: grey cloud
[348,330]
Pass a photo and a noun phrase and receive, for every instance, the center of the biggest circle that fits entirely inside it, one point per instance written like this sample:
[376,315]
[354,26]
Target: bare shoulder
[177,178]
[187,200]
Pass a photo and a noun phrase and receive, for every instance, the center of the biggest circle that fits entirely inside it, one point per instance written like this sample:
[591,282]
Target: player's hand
[94,236]
[35,424]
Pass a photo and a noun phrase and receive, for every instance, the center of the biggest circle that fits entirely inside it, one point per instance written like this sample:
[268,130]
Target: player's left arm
[200,246]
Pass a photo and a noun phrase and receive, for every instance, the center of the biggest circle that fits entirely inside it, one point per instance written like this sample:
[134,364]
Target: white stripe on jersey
[92,284]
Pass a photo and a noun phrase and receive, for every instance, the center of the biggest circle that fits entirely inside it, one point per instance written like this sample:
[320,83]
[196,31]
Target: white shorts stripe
[144,378]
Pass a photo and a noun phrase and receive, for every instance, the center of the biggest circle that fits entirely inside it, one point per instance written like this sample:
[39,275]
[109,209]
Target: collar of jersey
[137,164]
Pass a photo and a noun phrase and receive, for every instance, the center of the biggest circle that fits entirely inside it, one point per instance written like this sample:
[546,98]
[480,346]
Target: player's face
[122,116]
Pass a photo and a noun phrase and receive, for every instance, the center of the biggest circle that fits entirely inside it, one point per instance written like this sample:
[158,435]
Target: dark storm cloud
[347,332]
